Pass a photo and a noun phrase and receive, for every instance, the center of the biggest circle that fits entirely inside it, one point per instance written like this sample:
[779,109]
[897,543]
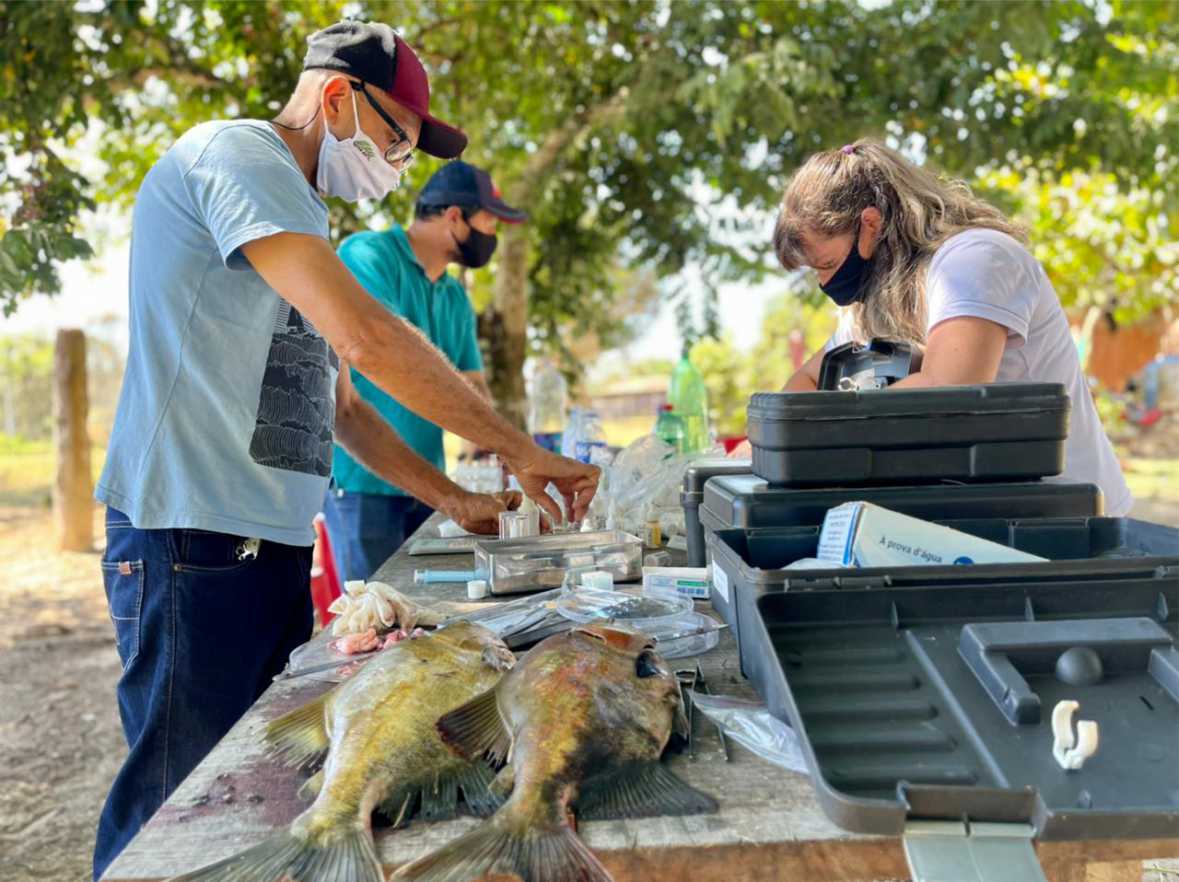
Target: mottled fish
[376,737]
[583,720]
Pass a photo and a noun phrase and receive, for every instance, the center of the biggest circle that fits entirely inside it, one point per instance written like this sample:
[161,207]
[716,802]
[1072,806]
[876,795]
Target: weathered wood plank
[73,490]
[769,827]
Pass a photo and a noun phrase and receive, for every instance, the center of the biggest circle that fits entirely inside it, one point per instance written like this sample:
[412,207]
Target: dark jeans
[200,634]
[365,529]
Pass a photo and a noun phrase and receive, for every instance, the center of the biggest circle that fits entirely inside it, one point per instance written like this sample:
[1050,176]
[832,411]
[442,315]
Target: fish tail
[546,854]
[348,857]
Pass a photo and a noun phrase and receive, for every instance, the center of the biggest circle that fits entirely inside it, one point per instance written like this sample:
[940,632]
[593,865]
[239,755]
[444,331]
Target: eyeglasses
[400,153]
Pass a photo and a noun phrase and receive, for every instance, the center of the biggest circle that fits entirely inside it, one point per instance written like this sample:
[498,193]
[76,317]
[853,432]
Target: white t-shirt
[988,274]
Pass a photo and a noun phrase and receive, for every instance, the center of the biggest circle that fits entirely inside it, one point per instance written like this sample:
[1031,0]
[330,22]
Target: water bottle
[688,397]
[572,431]
[669,427]
[546,406]
[590,446]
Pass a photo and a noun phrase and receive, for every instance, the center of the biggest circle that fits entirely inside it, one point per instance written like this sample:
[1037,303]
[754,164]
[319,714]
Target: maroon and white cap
[374,53]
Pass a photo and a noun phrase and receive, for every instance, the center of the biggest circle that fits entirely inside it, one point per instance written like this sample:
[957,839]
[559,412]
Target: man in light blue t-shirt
[455,220]
[242,323]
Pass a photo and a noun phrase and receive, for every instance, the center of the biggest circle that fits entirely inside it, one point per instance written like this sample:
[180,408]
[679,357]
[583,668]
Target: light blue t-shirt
[228,403]
[384,263]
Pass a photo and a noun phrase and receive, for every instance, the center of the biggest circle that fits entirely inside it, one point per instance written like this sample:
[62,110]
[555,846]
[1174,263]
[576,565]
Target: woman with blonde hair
[912,257]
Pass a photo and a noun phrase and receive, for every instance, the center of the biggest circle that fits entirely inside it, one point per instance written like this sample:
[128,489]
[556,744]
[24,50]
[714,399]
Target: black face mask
[477,249]
[849,284]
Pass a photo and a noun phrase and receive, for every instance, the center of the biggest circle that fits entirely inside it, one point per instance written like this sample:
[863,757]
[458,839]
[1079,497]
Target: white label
[835,539]
[720,579]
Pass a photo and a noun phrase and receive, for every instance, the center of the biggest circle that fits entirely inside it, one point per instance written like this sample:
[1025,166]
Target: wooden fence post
[73,503]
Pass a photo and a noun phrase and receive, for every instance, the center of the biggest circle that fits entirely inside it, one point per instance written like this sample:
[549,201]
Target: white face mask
[354,169]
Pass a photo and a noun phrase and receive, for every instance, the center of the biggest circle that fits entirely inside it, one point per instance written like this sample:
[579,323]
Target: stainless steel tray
[538,563]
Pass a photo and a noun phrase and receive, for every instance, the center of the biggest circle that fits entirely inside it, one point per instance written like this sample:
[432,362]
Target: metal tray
[538,563]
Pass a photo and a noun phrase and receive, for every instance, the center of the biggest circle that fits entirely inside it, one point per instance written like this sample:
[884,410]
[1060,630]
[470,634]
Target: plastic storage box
[935,701]
[692,495]
[537,563]
[746,501]
[748,565]
[1002,431]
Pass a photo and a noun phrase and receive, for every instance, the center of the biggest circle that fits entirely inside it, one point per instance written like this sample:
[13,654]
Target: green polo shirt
[386,266]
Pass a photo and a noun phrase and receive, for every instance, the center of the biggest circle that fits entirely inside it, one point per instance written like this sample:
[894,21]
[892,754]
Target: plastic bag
[643,483]
[751,725]
[515,616]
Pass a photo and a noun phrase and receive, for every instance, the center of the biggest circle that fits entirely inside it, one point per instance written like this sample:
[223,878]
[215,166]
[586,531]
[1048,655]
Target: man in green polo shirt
[455,220]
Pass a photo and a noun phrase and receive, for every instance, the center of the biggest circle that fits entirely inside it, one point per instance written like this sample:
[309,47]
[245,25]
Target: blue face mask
[850,282]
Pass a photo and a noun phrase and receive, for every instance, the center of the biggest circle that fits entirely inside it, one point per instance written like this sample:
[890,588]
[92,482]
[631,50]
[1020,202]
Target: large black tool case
[1002,431]
[746,501]
[692,495]
[935,701]
[749,564]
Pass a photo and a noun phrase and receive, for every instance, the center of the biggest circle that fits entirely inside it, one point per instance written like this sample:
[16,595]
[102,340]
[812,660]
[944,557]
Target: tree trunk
[505,325]
[72,489]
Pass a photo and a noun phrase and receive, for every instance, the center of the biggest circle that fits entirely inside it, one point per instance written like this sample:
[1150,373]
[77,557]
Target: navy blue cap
[462,184]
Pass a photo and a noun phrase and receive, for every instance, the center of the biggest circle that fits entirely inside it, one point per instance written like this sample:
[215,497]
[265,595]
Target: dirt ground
[60,738]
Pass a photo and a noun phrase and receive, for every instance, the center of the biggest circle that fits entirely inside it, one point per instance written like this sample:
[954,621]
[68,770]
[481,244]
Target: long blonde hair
[919,212]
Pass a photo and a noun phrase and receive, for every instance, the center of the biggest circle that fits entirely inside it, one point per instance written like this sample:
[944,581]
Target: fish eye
[647,665]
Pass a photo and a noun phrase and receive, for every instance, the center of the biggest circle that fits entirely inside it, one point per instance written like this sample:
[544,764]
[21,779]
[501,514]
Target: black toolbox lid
[987,399]
[902,698]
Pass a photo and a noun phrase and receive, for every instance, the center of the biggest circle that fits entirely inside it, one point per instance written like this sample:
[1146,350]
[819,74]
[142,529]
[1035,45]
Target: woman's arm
[806,378]
[959,352]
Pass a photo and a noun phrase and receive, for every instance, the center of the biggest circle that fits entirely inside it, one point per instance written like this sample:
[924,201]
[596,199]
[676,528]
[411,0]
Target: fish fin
[311,787]
[300,738]
[502,846]
[437,800]
[399,806]
[348,858]
[474,729]
[504,781]
[479,789]
[640,790]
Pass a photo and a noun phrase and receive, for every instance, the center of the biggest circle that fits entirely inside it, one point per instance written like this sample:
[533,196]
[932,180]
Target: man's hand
[479,512]
[577,482]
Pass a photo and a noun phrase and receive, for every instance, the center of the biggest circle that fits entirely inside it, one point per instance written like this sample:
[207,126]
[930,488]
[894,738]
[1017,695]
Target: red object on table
[732,442]
[325,582]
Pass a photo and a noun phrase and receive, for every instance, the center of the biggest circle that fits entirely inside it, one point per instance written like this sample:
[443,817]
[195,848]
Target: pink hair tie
[847,149]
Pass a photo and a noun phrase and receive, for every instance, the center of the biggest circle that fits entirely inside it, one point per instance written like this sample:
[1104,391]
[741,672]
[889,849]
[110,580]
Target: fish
[582,721]
[374,741]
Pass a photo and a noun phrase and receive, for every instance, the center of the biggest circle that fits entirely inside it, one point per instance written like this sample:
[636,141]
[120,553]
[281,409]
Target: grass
[27,468]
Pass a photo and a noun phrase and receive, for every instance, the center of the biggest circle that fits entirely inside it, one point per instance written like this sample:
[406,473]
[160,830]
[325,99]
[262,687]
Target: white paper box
[860,534]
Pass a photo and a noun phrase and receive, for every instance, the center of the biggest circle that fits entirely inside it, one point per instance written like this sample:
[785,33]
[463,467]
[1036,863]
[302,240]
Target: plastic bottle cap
[476,589]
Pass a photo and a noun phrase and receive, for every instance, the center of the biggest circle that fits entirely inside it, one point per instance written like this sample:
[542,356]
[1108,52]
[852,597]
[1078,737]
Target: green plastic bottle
[688,397]
[670,427]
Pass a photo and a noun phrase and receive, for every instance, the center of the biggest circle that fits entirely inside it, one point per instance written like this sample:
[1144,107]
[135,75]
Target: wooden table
[769,826]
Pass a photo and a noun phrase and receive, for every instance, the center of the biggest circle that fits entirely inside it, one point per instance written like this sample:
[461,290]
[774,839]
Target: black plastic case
[749,564]
[692,495]
[901,697]
[1001,431]
[746,501]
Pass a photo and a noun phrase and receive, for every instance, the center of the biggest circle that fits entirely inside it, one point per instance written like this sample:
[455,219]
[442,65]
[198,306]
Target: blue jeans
[201,633]
[365,529]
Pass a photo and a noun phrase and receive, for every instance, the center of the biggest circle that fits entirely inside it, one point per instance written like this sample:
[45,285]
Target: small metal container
[519,524]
